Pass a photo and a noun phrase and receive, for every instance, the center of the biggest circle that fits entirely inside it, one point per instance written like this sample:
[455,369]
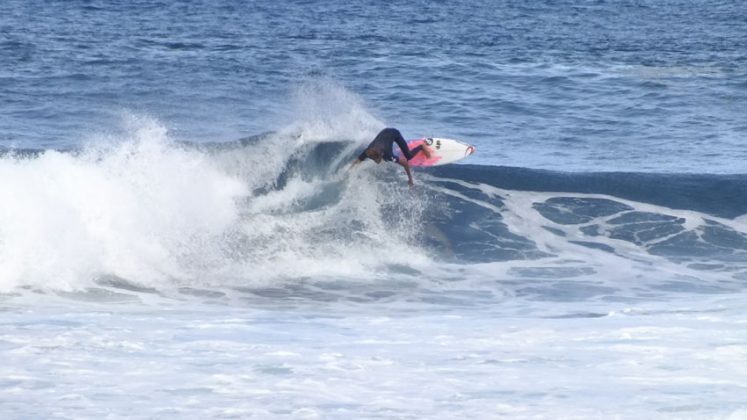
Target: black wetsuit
[384,142]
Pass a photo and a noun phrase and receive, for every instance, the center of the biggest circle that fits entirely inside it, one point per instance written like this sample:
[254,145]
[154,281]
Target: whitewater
[235,280]
[181,237]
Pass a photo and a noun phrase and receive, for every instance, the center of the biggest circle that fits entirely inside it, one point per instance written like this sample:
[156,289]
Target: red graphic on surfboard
[443,151]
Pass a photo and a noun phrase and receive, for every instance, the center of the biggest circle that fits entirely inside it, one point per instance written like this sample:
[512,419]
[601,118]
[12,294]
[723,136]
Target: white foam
[323,111]
[138,206]
[132,210]
[661,361]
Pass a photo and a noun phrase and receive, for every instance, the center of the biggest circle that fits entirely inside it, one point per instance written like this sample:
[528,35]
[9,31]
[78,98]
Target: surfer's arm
[357,160]
[405,164]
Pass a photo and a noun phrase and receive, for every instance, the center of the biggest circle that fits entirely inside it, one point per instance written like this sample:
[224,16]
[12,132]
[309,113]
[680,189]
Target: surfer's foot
[426,151]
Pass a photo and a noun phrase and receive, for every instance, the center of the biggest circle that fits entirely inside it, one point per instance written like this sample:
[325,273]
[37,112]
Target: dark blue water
[173,187]
[566,85]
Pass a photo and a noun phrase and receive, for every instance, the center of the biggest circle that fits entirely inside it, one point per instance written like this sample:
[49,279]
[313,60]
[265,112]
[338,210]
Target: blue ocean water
[180,238]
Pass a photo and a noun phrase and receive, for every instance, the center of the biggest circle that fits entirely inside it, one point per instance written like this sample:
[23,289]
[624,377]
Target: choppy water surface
[179,237]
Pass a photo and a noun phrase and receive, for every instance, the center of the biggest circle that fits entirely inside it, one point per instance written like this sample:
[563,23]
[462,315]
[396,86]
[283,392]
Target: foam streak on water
[683,359]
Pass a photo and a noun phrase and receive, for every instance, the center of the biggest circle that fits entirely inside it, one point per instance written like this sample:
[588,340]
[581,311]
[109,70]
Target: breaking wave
[281,207]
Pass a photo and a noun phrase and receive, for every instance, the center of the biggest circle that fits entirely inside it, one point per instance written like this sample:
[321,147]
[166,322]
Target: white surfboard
[443,151]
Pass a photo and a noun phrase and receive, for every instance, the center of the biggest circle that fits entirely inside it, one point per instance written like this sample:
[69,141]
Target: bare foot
[426,151]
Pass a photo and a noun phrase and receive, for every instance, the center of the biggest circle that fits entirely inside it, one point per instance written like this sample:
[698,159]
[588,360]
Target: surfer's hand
[402,161]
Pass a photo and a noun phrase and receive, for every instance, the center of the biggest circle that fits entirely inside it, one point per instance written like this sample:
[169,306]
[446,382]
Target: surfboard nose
[470,150]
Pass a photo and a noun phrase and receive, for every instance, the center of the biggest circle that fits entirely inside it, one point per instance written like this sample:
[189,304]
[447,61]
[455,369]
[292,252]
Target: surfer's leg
[416,150]
[406,152]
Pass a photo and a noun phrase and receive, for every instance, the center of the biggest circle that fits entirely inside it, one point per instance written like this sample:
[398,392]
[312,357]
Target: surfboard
[443,151]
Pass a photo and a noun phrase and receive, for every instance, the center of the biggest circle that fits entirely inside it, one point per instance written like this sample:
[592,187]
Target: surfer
[380,149]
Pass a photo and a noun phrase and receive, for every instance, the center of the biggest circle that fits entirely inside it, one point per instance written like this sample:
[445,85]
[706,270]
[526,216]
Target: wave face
[661,231]
[150,213]
[687,216]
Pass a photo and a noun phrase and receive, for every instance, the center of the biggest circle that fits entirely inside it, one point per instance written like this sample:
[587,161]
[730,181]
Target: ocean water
[179,236]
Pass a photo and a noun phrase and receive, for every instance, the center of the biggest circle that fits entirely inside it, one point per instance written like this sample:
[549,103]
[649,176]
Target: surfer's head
[374,155]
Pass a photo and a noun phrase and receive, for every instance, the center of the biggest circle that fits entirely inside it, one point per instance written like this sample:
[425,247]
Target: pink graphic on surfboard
[443,151]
